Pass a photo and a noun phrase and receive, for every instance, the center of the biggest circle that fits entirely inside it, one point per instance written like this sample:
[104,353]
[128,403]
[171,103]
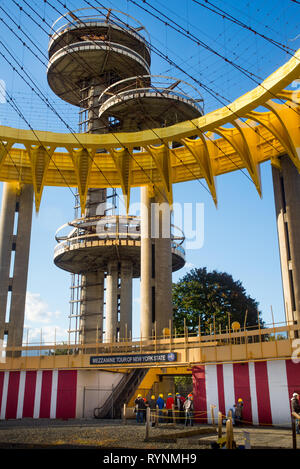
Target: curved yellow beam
[251,139]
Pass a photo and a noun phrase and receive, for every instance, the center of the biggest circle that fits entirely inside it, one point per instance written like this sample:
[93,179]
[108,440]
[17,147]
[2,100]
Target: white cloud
[46,334]
[189,265]
[36,310]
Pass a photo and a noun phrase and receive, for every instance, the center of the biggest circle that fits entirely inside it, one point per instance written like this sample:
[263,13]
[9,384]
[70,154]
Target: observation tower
[102,65]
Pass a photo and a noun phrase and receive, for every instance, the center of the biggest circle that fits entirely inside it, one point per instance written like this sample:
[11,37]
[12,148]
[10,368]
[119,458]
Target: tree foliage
[215,298]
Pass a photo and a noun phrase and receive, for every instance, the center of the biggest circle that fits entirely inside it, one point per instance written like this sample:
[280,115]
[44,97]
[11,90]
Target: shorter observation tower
[99,60]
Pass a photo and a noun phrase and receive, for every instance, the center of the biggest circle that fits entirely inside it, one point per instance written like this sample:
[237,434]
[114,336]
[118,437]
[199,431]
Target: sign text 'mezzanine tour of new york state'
[147,358]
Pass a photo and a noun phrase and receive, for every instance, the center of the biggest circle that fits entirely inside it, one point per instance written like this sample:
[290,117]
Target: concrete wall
[93,388]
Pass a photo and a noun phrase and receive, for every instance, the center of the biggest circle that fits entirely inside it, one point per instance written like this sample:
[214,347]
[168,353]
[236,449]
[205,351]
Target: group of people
[182,406]
[184,409]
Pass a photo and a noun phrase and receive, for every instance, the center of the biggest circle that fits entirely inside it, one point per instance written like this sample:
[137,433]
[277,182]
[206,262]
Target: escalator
[112,407]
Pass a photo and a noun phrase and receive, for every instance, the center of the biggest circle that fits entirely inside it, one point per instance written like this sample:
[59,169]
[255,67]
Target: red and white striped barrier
[266,388]
[38,394]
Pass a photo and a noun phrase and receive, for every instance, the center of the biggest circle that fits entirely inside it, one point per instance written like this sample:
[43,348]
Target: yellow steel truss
[235,136]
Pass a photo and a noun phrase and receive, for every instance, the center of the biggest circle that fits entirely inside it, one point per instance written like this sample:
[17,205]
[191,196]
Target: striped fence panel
[38,394]
[266,388]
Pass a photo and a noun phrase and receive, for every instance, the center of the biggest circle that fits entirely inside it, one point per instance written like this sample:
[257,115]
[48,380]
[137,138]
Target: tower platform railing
[114,227]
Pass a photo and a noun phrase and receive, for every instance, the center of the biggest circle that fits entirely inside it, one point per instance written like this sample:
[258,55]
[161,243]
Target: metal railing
[160,344]
[109,227]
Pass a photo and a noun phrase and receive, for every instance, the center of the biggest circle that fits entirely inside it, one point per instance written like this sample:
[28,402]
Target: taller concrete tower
[15,232]
[101,63]
[286,180]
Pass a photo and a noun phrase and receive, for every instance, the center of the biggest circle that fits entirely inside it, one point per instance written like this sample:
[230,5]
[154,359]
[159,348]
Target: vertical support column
[126,300]
[7,218]
[146,264]
[95,202]
[287,202]
[156,263]
[92,292]
[21,244]
[111,314]
[92,283]
[163,268]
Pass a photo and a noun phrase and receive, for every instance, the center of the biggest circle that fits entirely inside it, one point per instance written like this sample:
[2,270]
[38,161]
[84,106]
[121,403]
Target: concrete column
[20,272]
[126,300]
[163,270]
[92,292]
[146,264]
[287,203]
[91,320]
[156,263]
[95,202]
[111,310]
[7,218]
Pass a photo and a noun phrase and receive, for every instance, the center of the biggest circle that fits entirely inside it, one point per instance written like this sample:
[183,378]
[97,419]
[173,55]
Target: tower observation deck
[102,65]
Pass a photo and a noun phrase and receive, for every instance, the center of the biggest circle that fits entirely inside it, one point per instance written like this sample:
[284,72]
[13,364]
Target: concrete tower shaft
[286,180]
[15,232]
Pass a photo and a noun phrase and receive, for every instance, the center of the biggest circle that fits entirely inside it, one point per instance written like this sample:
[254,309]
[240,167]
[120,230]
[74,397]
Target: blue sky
[240,236]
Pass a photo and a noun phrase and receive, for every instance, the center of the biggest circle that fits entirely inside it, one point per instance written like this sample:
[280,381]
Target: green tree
[215,298]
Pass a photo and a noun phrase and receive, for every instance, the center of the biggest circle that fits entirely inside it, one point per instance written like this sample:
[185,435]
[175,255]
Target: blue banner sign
[128,359]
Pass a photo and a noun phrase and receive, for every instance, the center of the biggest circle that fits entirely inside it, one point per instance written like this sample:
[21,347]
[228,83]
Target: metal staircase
[121,394]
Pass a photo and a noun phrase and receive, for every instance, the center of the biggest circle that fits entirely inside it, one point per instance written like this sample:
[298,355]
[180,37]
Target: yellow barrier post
[212,411]
[295,417]
[173,415]
[147,423]
[229,434]
[124,414]
[220,423]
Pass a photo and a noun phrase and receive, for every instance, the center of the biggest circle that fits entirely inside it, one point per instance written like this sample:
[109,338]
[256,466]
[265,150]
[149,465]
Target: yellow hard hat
[139,395]
[161,395]
[153,397]
[240,400]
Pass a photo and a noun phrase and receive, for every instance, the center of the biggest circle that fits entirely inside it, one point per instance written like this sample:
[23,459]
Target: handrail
[99,45]
[140,343]
[112,232]
[104,15]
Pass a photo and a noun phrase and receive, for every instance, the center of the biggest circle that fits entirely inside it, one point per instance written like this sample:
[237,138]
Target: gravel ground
[29,433]
[98,435]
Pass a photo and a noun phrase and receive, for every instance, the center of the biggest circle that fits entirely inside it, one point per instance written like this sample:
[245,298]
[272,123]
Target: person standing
[152,405]
[295,405]
[169,407]
[179,401]
[238,412]
[188,408]
[140,407]
[161,405]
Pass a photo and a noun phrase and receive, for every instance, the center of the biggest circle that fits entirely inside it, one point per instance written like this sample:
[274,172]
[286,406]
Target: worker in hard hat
[179,401]
[238,412]
[169,407]
[161,405]
[189,410]
[140,408]
[152,405]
